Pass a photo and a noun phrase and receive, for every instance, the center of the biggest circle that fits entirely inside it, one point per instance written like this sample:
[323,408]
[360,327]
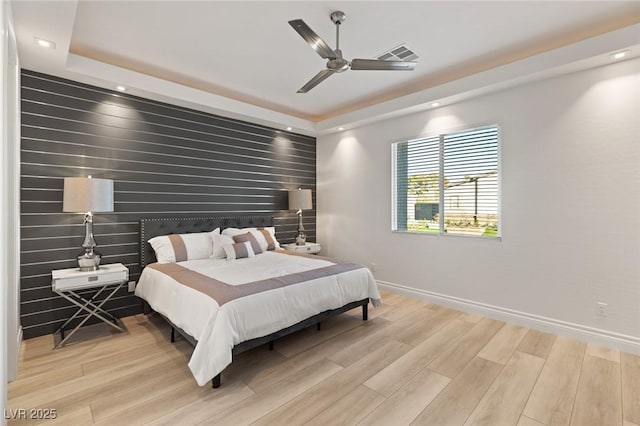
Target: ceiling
[245,53]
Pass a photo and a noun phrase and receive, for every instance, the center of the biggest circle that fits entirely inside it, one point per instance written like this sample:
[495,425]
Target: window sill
[438,235]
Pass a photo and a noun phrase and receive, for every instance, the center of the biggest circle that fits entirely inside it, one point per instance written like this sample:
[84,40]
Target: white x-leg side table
[67,282]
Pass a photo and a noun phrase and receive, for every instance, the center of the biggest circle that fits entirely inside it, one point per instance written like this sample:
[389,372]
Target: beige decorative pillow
[269,235]
[258,234]
[238,250]
[248,237]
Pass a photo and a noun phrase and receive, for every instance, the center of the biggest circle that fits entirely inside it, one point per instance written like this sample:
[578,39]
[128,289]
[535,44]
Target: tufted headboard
[150,228]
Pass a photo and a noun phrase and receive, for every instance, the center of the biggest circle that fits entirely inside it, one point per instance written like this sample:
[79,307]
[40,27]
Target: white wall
[12,179]
[570,207]
[3,216]
[10,335]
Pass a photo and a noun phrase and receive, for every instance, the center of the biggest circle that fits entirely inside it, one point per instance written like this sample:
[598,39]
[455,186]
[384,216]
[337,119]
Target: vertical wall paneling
[165,161]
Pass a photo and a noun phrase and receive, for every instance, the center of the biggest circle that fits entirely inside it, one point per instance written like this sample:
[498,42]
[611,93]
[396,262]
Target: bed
[226,307]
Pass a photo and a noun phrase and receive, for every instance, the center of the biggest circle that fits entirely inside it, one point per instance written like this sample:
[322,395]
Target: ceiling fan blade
[313,39]
[378,64]
[317,79]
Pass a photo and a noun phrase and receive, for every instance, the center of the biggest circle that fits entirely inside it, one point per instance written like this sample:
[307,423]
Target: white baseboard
[12,369]
[623,342]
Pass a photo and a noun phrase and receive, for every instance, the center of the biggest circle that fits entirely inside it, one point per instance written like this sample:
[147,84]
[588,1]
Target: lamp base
[301,238]
[89,260]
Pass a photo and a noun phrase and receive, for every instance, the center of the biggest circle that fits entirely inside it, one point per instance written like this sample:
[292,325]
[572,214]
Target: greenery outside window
[448,184]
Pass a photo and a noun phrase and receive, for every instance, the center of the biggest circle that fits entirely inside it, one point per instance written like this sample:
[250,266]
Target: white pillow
[237,231]
[258,234]
[238,250]
[219,241]
[180,247]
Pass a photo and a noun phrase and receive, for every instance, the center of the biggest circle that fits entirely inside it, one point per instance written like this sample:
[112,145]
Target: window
[448,184]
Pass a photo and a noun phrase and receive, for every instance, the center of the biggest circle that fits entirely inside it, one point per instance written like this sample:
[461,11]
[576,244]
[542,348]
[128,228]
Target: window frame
[440,136]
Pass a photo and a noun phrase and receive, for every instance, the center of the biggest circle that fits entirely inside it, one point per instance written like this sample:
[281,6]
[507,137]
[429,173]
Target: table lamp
[300,199]
[87,195]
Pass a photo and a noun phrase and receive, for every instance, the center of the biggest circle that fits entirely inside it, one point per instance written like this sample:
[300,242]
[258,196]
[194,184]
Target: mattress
[222,303]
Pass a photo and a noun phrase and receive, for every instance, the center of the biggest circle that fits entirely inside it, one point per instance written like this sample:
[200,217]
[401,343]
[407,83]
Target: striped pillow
[180,247]
[248,237]
[269,235]
[267,242]
[238,250]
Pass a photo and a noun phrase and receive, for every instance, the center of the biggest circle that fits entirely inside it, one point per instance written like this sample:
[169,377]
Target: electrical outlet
[132,286]
[601,309]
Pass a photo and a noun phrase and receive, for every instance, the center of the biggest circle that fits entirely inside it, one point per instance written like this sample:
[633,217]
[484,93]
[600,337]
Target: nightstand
[66,283]
[312,248]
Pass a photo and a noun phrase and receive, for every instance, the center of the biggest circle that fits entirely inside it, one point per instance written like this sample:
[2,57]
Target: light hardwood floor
[411,363]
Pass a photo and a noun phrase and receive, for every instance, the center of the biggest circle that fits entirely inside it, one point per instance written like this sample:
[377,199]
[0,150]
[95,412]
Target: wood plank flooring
[412,363]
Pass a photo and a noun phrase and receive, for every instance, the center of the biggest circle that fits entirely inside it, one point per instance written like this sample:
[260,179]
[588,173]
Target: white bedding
[217,329]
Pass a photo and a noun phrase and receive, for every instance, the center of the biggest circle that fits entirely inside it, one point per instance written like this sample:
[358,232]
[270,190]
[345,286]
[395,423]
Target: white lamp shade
[82,195]
[300,199]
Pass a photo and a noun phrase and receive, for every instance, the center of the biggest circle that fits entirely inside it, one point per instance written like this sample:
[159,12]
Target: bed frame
[154,227]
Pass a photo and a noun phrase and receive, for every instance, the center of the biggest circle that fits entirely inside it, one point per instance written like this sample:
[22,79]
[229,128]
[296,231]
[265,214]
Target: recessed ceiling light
[289,128]
[435,104]
[121,88]
[340,128]
[619,55]
[44,43]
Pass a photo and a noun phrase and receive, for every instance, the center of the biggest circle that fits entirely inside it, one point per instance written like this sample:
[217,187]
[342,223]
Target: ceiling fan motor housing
[338,17]
[338,65]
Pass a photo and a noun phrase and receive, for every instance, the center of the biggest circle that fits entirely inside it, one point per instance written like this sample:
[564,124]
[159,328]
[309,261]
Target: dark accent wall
[165,160]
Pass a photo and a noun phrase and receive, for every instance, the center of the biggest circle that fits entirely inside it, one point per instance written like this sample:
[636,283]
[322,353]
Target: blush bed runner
[222,303]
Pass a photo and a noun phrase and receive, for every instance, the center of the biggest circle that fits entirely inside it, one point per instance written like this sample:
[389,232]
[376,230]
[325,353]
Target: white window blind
[448,184]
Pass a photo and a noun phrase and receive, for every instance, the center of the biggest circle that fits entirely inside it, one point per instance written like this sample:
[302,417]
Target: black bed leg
[146,308]
[318,326]
[173,335]
[271,345]
[365,312]
[215,382]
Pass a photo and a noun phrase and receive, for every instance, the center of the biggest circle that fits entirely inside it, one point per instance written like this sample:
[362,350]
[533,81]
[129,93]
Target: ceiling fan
[336,63]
